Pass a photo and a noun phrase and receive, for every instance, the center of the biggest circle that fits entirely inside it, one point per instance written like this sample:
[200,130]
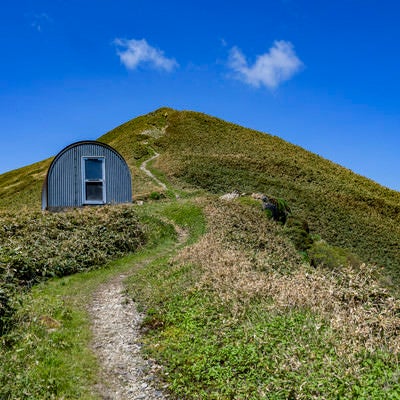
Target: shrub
[9,301]
[298,232]
[322,254]
[37,246]
[156,195]
[277,209]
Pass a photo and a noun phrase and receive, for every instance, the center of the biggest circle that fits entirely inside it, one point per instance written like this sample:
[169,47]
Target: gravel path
[116,341]
[125,374]
[143,167]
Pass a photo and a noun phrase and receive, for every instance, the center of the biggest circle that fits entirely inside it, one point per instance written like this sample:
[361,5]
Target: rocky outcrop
[276,208]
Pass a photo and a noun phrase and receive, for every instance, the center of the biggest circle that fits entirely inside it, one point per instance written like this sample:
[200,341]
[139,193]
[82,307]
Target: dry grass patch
[238,315]
[244,261]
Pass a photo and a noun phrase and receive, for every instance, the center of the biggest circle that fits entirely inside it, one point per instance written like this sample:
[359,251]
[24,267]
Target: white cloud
[134,52]
[270,69]
[39,20]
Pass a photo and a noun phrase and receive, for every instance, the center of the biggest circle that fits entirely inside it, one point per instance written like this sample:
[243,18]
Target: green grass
[264,355]
[219,335]
[135,146]
[187,216]
[346,209]
[47,355]
[234,309]
[22,187]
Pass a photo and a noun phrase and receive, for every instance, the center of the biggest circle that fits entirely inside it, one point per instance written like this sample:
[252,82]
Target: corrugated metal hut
[86,173]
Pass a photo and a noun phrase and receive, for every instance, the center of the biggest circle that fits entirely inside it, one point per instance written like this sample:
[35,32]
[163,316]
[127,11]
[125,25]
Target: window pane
[94,191]
[93,169]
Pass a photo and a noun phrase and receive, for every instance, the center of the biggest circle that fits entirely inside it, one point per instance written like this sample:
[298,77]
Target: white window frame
[84,180]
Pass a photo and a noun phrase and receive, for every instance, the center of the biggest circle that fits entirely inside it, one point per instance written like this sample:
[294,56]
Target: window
[93,180]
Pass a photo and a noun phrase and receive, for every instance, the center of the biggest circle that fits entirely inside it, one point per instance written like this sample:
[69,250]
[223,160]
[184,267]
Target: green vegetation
[37,246]
[346,209]
[323,255]
[22,187]
[156,196]
[133,140]
[47,355]
[237,315]
[299,233]
[238,305]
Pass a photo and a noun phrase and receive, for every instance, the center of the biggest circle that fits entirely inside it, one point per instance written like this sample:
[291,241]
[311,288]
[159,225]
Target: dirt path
[143,167]
[125,374]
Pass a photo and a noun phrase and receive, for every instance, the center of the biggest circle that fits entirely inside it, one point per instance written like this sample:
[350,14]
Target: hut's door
[93,171]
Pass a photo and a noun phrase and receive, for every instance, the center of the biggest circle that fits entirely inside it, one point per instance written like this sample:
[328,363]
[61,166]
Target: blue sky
[320,74]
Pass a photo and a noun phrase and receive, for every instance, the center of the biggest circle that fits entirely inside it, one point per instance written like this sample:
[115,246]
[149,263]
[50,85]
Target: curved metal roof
[65,150]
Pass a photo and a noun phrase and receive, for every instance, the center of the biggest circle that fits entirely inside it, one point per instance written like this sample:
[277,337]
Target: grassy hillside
[237,315]
[22,187]
[346,209]
[200,151]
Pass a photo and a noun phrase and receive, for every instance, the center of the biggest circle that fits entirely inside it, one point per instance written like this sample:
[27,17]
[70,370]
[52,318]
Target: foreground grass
[48,355]
[211,355]
[232,313]
[238,316]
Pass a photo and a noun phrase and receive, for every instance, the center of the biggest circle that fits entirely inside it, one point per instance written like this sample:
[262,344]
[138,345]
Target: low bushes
[36,246]
[321,254]
[298,232]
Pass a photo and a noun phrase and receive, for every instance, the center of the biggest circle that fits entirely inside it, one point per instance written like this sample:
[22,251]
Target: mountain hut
[86,173]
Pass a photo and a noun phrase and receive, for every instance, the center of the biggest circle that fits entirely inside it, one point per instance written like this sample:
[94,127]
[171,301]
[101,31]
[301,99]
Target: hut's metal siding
[64,181]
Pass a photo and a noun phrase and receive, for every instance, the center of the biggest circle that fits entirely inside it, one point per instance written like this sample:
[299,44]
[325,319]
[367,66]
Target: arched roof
[80,143]
[66,150]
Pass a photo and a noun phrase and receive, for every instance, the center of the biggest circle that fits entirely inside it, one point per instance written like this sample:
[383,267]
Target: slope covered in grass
[22,187]
[344,208]
[200,151]
[238,315]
